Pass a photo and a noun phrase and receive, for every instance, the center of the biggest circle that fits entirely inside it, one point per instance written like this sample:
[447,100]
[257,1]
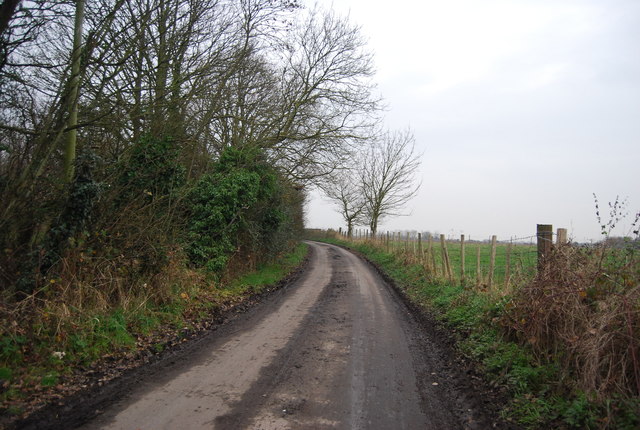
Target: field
[512,262]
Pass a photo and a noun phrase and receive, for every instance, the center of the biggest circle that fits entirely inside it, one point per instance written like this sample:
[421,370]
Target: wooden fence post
[462,277]
[478,269]
[561,236]
[420,254]
[432,255]
[414,246]
[492,263]
[544,233]
[446,264]
[443,252]
[507,269]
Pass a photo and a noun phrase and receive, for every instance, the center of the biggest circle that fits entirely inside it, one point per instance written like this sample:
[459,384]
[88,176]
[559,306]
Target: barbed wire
[401,236]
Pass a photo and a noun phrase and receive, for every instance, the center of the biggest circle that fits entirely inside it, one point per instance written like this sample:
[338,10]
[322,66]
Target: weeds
[565,344]
[73,324]
[579,310]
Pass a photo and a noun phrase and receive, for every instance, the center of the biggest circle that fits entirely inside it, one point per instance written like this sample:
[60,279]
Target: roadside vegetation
[563,343]
[152,153]
[513,260]
[66,339]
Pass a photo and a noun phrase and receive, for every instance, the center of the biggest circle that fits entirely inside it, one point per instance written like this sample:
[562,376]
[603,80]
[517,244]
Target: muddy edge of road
[82,406]
[463,372]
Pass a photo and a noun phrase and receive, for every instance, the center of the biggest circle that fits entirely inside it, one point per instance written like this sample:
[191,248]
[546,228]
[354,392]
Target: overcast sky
[523,108]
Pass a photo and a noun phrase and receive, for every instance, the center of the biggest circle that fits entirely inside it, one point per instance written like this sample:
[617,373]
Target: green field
[522,259]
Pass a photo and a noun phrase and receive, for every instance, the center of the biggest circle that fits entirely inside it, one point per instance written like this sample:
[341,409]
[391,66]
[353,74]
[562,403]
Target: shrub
[583,310]
[243,209]
[217,207]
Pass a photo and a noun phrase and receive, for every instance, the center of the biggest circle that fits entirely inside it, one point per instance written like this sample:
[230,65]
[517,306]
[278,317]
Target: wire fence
[485,264]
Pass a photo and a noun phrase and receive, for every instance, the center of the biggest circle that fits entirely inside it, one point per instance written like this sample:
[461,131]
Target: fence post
[446,264]
[492,263]
[420,253]
[561,236]
[432,255]
[406,244]
[478,269]
[443,253]
[544,233]
[414,247]
[507,270]
[462,277]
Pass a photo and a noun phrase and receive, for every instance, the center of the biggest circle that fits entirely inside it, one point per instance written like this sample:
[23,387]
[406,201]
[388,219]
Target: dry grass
[583,308]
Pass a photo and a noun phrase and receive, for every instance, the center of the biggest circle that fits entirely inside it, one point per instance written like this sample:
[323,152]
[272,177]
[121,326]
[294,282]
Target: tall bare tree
[389,175]
[326,96]
[344,189]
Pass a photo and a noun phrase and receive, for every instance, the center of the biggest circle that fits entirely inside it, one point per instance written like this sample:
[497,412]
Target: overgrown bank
[151,153]
[92,346]
[543,382]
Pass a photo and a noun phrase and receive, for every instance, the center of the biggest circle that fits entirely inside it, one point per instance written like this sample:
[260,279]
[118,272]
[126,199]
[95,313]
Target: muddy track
[337,348]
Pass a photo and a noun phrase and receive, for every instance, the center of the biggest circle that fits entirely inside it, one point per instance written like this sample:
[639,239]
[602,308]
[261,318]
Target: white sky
[523,109]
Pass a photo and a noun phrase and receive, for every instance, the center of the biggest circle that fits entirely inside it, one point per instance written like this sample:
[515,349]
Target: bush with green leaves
[240,208]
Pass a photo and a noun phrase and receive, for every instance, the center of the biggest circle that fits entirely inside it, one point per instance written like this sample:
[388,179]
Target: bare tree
[343,188]
[388,175]
[210,74]
[302,93]
[326,97]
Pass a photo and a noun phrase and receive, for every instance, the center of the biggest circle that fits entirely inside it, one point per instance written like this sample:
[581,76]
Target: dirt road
[337,349]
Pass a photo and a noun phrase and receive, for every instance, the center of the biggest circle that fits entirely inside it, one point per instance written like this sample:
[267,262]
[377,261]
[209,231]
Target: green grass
[51,349]
[522,259]
[5,373]
[50,379]
[269,274]
[539,398]
[101,334]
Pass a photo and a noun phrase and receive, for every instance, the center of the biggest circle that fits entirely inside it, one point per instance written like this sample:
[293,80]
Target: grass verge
[48,349]
[541,395]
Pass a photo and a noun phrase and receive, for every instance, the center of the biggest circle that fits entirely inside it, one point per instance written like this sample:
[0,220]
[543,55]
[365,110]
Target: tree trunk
[136,113]
[162,74]
[374,225]
[74,86]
